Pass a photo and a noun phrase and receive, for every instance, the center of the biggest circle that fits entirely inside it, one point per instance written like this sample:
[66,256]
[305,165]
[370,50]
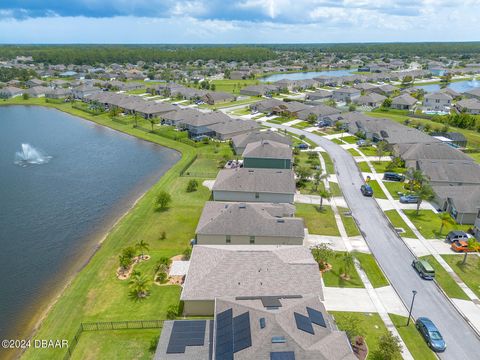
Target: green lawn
[320,222]
[116,344]
[379,166]
[332,277]
[412,338]
[475,156]
[350,139]
[348,222]
[95,294]
[371,325]
[353,152]
[302,125]
[233,86]
[371,151]
[330,168]
[395,187]
[398,222]
[337,141]
[446,282]
[469,273]
[371,268]
[203,167]
[429,223]
[377,190]
[335,189]
[243,111]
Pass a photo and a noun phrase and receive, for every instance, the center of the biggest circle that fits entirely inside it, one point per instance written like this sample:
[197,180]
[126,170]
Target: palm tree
[140,286]
[348,263]
[324,194]
[446,220]
[425,192]
[318,177]
[471,246]
[142,246]
[381,146]
[415,177]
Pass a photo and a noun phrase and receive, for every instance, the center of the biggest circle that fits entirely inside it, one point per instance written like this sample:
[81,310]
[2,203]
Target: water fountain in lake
[29,155]
[474,83]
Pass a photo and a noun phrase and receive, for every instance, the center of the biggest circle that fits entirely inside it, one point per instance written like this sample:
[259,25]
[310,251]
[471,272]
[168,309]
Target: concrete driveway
[395,258]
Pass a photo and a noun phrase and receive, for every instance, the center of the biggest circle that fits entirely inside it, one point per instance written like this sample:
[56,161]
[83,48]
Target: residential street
[395,258]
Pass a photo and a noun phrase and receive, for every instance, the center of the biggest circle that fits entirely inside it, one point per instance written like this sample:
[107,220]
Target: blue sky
[237,21]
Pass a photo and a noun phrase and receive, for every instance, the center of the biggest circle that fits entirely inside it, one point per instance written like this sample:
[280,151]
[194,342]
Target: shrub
[172,312]
[161,277]
[187,253]
[192,185]
[163,200]
[163,235]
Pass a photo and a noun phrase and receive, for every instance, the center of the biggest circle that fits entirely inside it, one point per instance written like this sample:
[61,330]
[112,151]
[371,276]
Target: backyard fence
[110,325]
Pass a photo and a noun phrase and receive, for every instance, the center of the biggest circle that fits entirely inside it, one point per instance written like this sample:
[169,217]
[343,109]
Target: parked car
[424,269]
[409,199]
[462,246]
[361,142]
[366,190]
[456,235]
[199,137]
[322,123]
[431,334]
[393,176]
[302,146]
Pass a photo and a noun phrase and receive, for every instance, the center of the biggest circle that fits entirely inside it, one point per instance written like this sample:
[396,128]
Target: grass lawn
[371,268]
[394,187]
[469,273]
[203,167]
[243,111]
[475,156]
[302,125]
[445,280]
[379,166]
[377,190]
[348,222]
[95,294]
[398,222]
[330,168]
[350,139]
[337,141]
[371,151]
[116,344]
[370,324]
[232,86]
[137,91]
[332,277]
[320,222]
[353,152]
[429,223]
[335,189]
[412,338]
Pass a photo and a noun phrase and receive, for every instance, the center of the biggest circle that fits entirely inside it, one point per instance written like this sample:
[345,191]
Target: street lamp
[414,292]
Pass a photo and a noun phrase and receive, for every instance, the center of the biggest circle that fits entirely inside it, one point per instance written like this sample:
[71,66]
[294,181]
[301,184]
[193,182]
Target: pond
[307,75]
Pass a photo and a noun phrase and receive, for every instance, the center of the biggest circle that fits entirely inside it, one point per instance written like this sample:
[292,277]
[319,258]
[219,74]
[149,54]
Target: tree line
[122,54]
[7,74]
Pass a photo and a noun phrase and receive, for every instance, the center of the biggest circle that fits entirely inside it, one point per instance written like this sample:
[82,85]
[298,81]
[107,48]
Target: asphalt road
[395,258]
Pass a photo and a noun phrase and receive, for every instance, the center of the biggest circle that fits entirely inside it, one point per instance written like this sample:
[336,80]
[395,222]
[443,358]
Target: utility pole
[414,292]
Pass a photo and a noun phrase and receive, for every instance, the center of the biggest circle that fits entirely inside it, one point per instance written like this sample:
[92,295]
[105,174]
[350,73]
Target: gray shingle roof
[249,219]
[469,104]
[241,141]
[250,270]
[256,180]
[267,149]
[465,198]
[451,171]
[431,151]
[404,99]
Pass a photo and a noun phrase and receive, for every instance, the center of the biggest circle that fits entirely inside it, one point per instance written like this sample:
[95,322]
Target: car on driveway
[302,146]
[409,199]
[462,246]
[456,235]
[362,142]
[393,176]
[424,269]
[366,190]
[431,334]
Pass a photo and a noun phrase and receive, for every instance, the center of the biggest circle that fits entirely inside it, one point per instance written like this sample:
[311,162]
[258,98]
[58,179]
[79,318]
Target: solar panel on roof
[242,337]
[316,317]
[282,355]
[303,323]
[186,333]
[224,335]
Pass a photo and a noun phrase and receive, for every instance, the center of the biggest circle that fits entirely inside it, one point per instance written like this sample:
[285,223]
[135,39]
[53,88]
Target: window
[257,195]
[228,239]
[278,340]
[262,323]
[252,239]
[437,101]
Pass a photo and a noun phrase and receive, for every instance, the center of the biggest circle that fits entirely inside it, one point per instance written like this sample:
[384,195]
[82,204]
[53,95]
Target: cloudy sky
[237,21]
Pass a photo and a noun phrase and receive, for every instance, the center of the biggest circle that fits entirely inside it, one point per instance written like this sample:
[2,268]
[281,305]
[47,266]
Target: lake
[307,75]
[54,208]
[458,86]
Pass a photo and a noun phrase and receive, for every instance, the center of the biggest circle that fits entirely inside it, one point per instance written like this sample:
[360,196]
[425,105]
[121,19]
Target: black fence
[110,325]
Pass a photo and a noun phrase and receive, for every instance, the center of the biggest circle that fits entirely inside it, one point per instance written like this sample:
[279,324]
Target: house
[285,327]
[233,127]
[365,87]
[386,89]
[450,172]
[325,113]
[174,118]
[454,94]
[255,185]
[266,106]
[290,108]
[218,271]
[267,154]
[371,100]
[213,98]
[346,94]
[34,82]
[318,96]
[10,92]
[411,153]
[473,93]
[404,102]
[249,223]
[454,139]
[438,101]
[468,106]
[58,93]
[285,84]
[83,91]
[202,122]
[240,142]
[461,202]
[258,90]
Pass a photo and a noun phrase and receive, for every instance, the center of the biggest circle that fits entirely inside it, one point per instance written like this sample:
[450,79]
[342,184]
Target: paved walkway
[336,242]
[387,204]
[315,199]
[293,122]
